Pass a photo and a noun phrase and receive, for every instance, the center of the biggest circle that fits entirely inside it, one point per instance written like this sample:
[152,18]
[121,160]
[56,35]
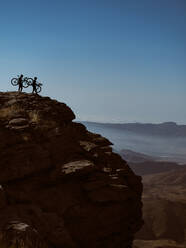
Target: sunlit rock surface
[61,186]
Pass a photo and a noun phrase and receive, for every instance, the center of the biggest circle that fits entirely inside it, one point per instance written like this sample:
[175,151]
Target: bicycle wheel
[25,83]
[38,89]
[14,81]
[29,81]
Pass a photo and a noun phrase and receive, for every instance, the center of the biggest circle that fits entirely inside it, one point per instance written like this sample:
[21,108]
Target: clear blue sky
[109,60]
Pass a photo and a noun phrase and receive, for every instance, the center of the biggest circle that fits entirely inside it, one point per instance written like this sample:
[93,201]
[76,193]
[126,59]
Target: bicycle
[29,82]
[38,88]
[26,81]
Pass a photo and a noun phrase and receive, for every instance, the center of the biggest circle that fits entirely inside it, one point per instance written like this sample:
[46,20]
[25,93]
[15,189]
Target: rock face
[61,186]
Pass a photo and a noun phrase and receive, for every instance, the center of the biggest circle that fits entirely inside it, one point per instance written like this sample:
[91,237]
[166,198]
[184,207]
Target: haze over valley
[163,146]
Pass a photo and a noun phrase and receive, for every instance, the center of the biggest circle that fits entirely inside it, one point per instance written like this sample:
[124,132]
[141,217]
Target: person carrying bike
[20,83]
[34,84]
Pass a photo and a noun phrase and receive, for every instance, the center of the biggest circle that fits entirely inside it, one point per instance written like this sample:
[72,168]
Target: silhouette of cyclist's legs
[34,89]
[20,88]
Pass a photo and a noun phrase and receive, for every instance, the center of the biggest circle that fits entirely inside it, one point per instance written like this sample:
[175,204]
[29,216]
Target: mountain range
[144,140]
[143,164]
[162,129]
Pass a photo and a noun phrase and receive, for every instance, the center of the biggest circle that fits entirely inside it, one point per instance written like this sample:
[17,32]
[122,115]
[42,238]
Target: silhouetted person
[20,83]
[34,84]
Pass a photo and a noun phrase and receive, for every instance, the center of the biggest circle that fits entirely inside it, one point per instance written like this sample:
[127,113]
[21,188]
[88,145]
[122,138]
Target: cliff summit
[61,186]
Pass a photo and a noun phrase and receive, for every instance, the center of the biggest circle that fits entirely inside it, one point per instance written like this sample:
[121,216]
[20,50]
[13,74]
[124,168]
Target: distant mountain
[165,147]
[135,157]
[153,167]
[162,129]
[143,164]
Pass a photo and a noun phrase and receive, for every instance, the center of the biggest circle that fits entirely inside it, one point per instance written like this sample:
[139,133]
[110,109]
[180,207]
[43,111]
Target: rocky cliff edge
[61,186]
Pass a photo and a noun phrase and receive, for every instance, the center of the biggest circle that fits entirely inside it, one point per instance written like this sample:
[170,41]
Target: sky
[109,60]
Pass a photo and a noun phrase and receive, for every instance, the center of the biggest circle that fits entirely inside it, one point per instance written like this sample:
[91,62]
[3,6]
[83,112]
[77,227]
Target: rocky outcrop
[61,186]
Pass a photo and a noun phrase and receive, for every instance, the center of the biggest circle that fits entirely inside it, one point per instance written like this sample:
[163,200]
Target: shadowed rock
[17,234]
[62,186]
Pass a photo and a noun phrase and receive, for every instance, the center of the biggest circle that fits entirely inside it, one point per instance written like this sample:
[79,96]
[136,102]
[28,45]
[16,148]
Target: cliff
[61,186]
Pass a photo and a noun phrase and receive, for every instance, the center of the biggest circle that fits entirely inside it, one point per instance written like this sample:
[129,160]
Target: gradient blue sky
[109,60]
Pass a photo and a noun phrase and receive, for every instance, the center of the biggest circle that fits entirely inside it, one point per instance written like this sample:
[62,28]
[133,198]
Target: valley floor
[164,211]
[157,244]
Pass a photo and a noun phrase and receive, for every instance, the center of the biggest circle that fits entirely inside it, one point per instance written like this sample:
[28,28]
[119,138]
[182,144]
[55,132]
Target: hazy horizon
[168,148]
[136,122]
[110,61]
